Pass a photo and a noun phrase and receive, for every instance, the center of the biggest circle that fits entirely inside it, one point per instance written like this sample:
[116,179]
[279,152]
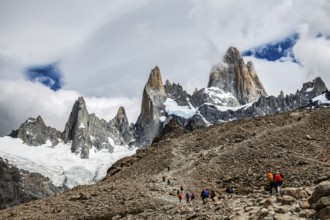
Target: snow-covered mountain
[87,147]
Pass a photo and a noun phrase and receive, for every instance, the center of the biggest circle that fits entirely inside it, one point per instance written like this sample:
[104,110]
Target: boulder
[321,190]
[287,200]
[296,193]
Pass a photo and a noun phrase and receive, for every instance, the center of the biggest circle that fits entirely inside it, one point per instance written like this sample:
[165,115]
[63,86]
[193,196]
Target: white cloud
[22,99]
[278,76]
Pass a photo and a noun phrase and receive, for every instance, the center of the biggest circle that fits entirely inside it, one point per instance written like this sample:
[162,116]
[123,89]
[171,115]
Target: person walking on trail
[278,181]
[212,194]
[180,197]
[192,196]
[168,182]
[203,194]
[181,188]
[270,178]
[187,197]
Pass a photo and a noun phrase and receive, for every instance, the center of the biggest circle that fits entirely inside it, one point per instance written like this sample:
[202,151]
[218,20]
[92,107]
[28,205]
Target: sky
[52,52]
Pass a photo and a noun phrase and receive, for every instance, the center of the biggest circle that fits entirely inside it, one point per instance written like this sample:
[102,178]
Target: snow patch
[172,108]
[321,99]
[81,125]
[310,89]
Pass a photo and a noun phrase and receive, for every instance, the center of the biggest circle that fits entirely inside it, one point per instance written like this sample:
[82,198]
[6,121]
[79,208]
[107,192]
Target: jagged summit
[87,130]
[236,77]
[155,81]
[148,124]
[121,113]
[35,132]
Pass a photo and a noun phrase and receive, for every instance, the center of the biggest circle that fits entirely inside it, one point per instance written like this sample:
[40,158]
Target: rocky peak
[155,80]
[35,132]
[314,88]
[232,55]
[121,124]
[76,129]
[177,93]
[152,108]
[236,77]
[121,114]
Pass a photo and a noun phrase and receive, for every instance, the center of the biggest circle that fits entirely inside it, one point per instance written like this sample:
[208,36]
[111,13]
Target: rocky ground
[18,186]
[238,153]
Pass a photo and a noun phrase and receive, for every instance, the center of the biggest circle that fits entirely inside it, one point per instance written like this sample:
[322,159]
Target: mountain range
[234,92]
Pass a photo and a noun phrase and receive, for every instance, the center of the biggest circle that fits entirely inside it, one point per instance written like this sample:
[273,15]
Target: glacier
[59,164]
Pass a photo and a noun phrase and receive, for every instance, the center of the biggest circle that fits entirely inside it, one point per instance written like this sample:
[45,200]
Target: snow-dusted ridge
[58,163]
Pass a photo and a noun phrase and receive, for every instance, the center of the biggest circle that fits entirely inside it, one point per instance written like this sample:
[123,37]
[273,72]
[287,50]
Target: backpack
[270,177]
[278,178]
[180,196]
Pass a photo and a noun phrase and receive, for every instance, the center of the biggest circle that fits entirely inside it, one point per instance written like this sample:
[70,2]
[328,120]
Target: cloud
[278,76]
[22,99]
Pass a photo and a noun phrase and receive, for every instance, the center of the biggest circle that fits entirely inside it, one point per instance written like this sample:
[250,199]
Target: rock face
[19,186]
[148,124]
[313,89]
[177,93]
[121,125]
[34,132]
[76,129]
[236,77]
[213,96]
[86,130]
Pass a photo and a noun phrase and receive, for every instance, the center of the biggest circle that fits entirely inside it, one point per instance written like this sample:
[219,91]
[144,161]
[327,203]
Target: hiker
[212,194]
[187,197]
[270,178]
[180,197]
[168,182]
[278,181]
[229,189]
[203,194]
[164,178]
[178,192]
[192,196]
[206,194]
[181,188]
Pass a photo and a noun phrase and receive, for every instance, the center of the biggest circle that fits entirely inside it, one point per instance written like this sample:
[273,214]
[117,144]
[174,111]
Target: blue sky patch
[49,75]
[275,50]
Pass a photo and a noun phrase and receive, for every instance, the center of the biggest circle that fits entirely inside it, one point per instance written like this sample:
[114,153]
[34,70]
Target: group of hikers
[206,193]
[275,181]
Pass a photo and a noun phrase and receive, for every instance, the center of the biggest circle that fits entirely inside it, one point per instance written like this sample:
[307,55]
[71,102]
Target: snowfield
[57,163]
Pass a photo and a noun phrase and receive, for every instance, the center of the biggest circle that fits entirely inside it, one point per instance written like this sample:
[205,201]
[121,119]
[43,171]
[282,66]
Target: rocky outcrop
[313,89]
[177,93]
[87,130]
[120,125]
[236,77]
[320,200]
[19,186]
[148,124]
[213,96]
[77,129]
[34,132]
